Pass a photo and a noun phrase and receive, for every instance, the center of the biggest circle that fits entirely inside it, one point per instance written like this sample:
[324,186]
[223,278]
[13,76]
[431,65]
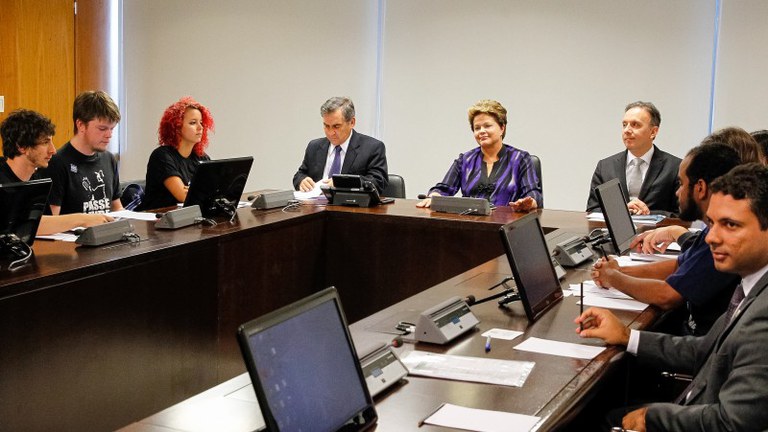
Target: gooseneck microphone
[506,296]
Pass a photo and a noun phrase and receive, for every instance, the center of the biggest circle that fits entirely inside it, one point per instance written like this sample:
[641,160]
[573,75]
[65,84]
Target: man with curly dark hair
[27,146]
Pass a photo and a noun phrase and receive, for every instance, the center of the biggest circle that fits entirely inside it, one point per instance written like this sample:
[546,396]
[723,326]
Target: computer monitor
[218,184]
[617,217]
[528,255]
[22,206]
[304,368]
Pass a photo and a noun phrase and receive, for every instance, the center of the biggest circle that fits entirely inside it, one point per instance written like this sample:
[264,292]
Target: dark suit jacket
[366,156]
[659,186]
[730,386]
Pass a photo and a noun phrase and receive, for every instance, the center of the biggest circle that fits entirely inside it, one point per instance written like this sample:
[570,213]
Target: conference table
[100,338]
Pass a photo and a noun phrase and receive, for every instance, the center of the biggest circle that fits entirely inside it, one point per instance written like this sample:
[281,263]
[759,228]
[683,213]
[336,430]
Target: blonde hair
[492,108]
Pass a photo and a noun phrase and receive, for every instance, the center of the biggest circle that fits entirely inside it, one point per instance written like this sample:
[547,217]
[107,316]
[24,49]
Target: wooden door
[48,55]
[37,60]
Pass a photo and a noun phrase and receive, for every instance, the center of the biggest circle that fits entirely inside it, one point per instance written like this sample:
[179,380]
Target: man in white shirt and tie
[729,365]
[647,174]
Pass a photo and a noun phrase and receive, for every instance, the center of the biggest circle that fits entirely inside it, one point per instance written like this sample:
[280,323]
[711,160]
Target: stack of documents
[473,369]
[651,219]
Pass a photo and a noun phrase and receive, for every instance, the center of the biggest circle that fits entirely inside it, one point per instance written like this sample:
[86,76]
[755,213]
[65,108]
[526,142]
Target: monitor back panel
[528,255]
[617,217]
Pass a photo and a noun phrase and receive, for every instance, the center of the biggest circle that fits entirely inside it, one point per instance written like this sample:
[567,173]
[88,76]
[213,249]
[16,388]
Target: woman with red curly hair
[183,136]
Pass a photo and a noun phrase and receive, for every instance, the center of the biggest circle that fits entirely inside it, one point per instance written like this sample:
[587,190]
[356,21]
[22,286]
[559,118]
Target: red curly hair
[169,131]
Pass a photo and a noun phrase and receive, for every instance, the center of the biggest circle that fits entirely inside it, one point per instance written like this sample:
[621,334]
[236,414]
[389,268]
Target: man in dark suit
[729,366]
[342,151]
[648,176]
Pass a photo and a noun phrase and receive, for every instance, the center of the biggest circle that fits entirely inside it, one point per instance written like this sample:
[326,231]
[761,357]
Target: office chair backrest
[132,192]
[395,188]
[537,166]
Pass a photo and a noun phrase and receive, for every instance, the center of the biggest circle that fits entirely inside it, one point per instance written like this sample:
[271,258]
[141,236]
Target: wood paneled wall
[92,29]
[48,55]
[37,60]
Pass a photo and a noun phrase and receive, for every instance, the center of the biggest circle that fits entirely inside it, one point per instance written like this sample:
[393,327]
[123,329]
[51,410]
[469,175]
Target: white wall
[263,68]
[564,69]
[742,73]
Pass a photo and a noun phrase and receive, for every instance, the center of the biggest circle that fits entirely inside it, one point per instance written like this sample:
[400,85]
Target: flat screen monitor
[617,217]
[305,369]
[218,184]
[528,255]
[22,206]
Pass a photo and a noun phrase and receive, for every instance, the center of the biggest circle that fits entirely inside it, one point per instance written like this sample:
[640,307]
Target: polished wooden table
[556,389]
[96,338]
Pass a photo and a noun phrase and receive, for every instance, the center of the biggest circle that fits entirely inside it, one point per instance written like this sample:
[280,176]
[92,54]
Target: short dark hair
[748,181]
[488,107]
[94,104]
[649,108]
[343,103]
[23,129]
[709,161]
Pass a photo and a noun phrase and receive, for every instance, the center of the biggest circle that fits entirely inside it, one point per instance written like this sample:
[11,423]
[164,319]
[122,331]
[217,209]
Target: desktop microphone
[505,293]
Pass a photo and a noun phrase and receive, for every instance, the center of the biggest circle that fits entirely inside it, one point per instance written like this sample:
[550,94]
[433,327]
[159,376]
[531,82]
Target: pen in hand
[581,304]
[602,252]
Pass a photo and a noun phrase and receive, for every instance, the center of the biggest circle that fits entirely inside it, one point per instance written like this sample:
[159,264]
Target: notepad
[481,420]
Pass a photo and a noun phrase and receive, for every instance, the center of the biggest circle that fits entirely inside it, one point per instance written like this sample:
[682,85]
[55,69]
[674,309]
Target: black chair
[537,167]
[395,188]
[131,193]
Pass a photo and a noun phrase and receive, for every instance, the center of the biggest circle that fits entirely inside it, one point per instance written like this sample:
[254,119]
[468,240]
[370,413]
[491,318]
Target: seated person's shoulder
[369,140]
[669,156]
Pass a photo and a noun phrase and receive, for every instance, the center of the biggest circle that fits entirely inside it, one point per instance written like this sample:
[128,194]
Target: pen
[581,304]
[488,344]
[602,251]
[421,422]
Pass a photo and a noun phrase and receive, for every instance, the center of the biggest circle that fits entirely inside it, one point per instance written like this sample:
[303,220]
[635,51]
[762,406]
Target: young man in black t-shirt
[84,173]
[28,145]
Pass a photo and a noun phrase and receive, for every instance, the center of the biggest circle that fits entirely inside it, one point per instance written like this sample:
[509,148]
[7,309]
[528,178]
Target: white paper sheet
[497,333]
[563,349]
[637,219]
[612,303]
[128,214]
[66,237]
[590,289]
[473,419]
[626,261]
[314,193]
[635,256]
[511,373]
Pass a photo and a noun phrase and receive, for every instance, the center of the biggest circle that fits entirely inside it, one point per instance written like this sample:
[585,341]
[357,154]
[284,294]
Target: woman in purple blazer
[502,174]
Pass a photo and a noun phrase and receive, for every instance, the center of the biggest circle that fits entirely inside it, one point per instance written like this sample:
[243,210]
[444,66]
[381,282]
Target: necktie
[738,296]
[336,164]
[635,178]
